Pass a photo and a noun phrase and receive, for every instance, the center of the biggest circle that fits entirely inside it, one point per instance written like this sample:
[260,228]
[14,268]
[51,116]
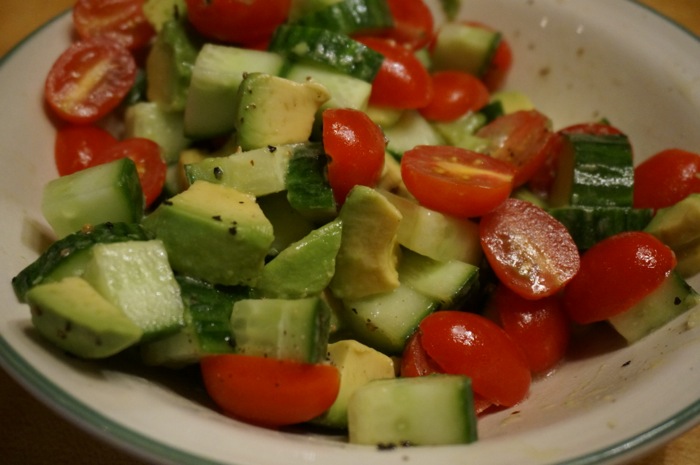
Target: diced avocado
[420,411]
[391,180]
[158,12]
[304,268]
[136,277]
[218,72]
[169,64]
[165,128]
[271,110]
[110,192]
[367,260]
[289,225]
[213,232]
[258,172]
[358,365]
[77,319]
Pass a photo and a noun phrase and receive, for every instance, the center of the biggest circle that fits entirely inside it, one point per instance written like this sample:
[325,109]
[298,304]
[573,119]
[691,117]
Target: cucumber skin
[71,248]
[351,17]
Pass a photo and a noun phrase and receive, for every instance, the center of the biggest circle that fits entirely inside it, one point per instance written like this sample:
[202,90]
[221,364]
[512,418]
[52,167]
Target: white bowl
[579,60]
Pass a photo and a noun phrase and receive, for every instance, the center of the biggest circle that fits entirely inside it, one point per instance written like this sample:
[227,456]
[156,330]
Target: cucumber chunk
[425,410]
[308,189]
[350,16]
[464,47]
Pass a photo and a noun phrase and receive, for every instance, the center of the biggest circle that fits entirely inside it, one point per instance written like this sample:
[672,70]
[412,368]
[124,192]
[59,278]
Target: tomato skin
[470,344]
[77,145]
[146,154]
[269,392]
[242,22]
[402,81]
[455,93]
[355,145]
[540,327]
[456,181]
[615,274]
[413,23]
[119,20]
[501,63]
[529,251]
[666,178]
[523,138]
[89,80]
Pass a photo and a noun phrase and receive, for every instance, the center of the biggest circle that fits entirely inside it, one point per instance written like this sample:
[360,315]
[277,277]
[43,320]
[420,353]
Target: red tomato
[243,22]
[666,178]
[267,391]
[355,145]
[541,181]
[89,80]
[615,274]
[76,146]
[522,138]
[469,344]
[413,23]
[455,93]
[402,81]
[120,20]
[149,163]
[456,181]
[540,327]
[529,250]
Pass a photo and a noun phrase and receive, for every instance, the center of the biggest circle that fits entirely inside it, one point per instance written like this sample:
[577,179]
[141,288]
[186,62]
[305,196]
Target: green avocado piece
[305,267]
[213,232]
[368,257]
[271,110]
[76,318]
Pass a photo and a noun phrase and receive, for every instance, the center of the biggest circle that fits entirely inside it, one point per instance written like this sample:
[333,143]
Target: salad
[344,221]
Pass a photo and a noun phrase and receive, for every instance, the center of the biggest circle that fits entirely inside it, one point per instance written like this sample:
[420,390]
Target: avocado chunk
[368,257]
[358,364]
[214,233]
[76,318]
[271,110]
[305,267]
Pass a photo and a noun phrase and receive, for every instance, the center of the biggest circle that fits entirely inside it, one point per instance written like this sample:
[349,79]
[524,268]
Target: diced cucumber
[279,328]
[383,116]
[673,297]
[110,192]
[303,269]
[207,327]
[158,12]
[594,170]
[308,190]
[351,16]
[136,277]
[217,73]
[76,318]
[421,411]
[257,172]
[165,128]
[440,237]
[463,47]
[588,225]
[300,8]
[512,101]
[461,132]
[327,47]
[409,131]
[358,365]
[69,255]
[346,91]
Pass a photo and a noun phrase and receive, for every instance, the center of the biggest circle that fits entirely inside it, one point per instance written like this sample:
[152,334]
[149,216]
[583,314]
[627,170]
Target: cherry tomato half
[402,81]
[120,20]
[89,80]
[268,391]
[615,274]
[243,22]
[522,138]
[540,327]
[355,146]
[666,178]
[529,250]
[456,181]
[77,145]
[146,155]
[413,23]
[455,93]
[469,344]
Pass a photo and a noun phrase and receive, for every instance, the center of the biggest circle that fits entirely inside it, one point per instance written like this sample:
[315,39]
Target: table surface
[32,434]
